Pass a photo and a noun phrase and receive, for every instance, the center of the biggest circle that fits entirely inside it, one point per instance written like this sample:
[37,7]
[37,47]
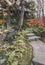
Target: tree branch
[10,3]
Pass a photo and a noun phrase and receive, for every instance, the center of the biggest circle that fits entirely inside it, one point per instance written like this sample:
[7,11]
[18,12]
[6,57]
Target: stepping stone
[28,31]
[34,38]
[30,34]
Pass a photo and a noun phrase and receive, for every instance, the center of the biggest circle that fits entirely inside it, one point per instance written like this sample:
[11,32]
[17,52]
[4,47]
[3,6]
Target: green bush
[39,31]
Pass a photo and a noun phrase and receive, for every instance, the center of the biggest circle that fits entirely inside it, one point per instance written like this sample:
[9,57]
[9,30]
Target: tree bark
[21,14]
[39,7]
[43,10]
[10,3]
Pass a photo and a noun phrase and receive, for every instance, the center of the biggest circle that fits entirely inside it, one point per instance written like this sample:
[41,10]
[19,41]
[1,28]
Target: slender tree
[43,10]
[39,8]
[22,13]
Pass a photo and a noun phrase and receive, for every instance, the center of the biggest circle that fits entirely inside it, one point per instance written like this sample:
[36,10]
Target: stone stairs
[38,48]
[31,36]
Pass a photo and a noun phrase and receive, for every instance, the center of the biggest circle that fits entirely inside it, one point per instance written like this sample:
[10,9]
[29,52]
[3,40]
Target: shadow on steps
[36,63]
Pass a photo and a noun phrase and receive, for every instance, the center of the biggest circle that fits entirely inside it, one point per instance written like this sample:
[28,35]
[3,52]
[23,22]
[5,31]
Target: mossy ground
[18,53]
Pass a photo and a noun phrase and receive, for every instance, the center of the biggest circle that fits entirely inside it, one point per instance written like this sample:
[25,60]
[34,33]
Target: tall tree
[39,8]
[22,13]
[43,10]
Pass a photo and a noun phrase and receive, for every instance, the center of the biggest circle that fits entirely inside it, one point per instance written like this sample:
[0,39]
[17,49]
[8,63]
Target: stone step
[37,63]
[34,38]
[30,34]
[28,31]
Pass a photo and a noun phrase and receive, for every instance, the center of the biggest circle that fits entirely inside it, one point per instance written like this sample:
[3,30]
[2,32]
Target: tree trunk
[43,10]
[21,14]
[10,3]
[39,7]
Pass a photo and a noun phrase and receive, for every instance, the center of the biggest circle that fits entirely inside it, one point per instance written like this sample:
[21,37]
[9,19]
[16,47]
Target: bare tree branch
[10,3]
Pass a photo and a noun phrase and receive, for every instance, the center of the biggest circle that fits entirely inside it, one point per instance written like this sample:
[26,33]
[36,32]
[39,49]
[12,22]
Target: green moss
[15,63]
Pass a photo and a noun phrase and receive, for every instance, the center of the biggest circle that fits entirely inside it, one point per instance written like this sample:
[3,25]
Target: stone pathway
[38,49]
